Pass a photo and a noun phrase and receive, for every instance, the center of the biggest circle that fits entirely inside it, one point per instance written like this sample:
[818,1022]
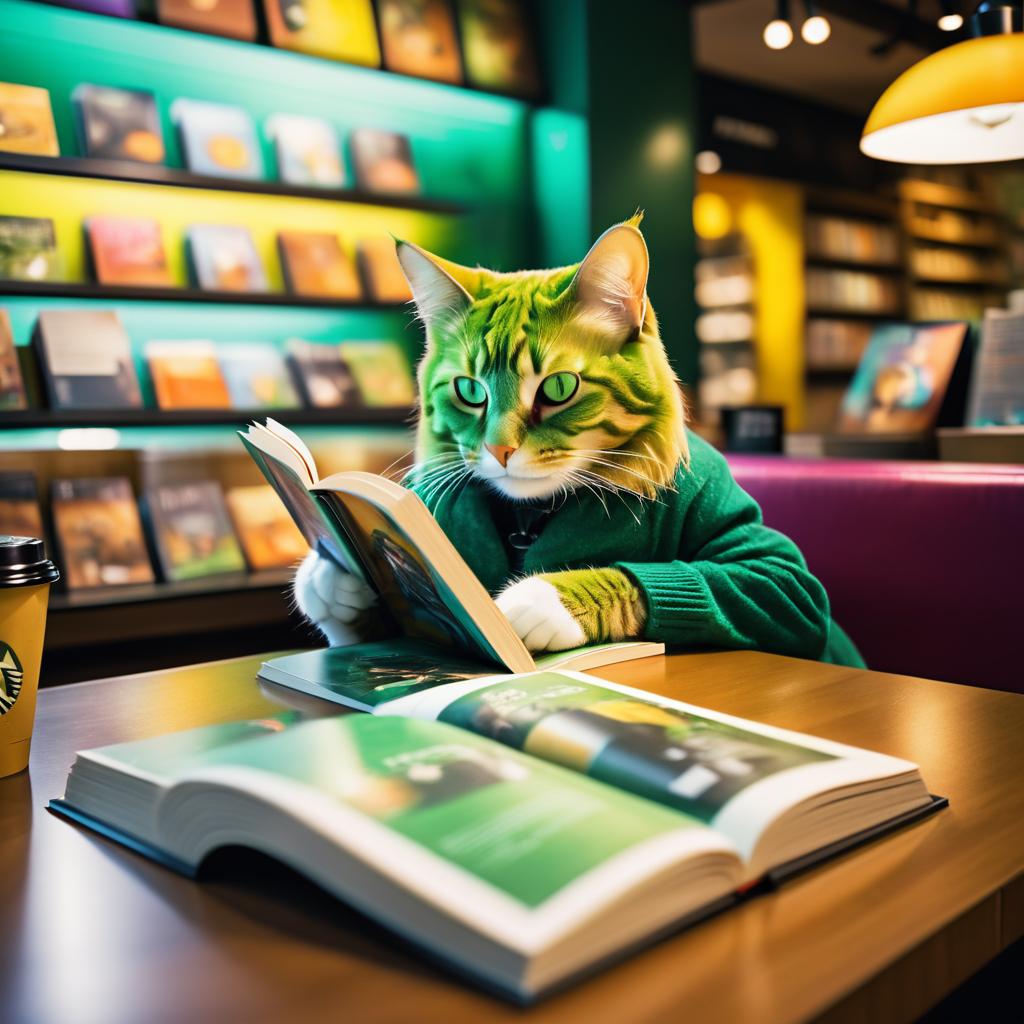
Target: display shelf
[932,193]
[362,417]
[973,240]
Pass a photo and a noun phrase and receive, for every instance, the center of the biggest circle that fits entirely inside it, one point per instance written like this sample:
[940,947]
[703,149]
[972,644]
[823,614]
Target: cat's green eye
[470,392]
[558,388]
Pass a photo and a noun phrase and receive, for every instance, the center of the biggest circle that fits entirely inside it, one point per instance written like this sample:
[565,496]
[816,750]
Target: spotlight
[949,20]
[816,27]
[708,161]
[778,33]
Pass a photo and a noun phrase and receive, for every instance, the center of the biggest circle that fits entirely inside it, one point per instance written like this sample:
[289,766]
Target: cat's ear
[438,294]
[610,286]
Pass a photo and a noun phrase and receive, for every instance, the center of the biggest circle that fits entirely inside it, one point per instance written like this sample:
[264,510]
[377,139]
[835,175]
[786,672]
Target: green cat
[552,449]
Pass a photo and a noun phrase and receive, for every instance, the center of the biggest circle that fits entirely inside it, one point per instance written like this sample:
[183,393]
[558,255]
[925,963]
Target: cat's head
[541,382]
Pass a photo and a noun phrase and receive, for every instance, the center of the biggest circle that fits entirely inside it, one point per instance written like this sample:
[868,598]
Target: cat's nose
[502,452]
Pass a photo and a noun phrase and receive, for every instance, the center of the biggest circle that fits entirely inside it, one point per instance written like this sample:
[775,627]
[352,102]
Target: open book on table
[523,828]
[443,624]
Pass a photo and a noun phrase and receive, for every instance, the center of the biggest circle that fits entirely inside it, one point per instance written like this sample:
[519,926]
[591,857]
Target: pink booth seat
[923,561]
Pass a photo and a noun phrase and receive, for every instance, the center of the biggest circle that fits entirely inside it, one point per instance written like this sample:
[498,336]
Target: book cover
[217,139]
[28,249]
[186,375]
[418,38]
[381,271]
[128,251]
[111,8]
[233,18]
[314,263]
[26,120]
[20,514]
[498,47]
[308,150]
[119,124]
[381,370]
[224,258]
[256,376]
[997,376]
[383,161]
[322,377]
[342,30]
[86,360]
[12,387]
[270,538]
[99,532]
[902,378]
[192,530]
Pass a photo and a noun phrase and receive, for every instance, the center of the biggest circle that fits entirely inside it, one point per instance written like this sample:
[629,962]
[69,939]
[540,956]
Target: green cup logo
[10,677]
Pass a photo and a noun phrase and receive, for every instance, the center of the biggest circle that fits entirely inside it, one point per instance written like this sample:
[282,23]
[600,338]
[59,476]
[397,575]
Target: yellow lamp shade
[962,105]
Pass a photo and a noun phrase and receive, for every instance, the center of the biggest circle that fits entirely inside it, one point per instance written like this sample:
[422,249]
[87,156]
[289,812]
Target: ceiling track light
[778,33]
[816,27]
[950,19]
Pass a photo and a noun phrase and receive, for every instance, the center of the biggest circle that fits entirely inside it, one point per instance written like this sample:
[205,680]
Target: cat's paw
[538,616]
[331,598]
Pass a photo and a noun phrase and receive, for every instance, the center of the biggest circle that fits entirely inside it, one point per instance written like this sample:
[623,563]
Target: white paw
[538,616]
[331,598]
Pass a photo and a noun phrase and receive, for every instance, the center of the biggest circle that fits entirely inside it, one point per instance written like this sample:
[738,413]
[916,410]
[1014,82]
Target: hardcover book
[224,258]
[99,533]
[128,251]
[233,18]
[381,370]
[186,375]
[498,47]
[381,271]
[26,120]
[337,29]
[12,387]
[192,531]
[20,515]
[383,162]
[257,376]
[308,151]
[119,124]
[28,249]
[322,377]
[218,140]
[269,538]
[314,263]
[418,38]
[86,360]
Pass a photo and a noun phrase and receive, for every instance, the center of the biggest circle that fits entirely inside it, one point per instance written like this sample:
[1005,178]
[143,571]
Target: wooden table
[91,932]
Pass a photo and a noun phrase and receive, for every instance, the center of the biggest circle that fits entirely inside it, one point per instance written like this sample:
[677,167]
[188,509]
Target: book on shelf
[217,139]
[315,264]
[498,47]
[186,375]
[269,538]
[382,372]
[381,272]
[322,377]
[20,512]
[128,251]
[85,358]
[383,161]
[235,19]
[99,533]
[836,344]
[12,386]
[26,120]
[257,376]
[111,8]
[308,150]
[28,249]
[119,124]
[343,30]
[419,39]
[524,830]
[996,397]
[223,257]
[192,531]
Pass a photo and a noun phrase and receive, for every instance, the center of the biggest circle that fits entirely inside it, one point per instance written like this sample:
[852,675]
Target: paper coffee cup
[25,577]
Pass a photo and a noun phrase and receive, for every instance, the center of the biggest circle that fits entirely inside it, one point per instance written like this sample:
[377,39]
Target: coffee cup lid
[23,562]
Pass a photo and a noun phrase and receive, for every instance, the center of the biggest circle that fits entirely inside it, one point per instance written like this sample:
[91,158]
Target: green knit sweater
[711,572]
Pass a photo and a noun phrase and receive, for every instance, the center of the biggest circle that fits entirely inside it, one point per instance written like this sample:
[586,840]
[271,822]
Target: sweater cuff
[679,603]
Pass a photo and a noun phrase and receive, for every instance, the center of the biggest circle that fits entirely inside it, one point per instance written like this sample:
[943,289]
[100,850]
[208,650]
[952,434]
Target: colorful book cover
[20,514]
[26,120]
[498,47]
[99,532]
[308,150]
[192,530]
[383,161]
[186,375]
[217,139]
[233,18]
[257,376]
[342,30]
[111,8]
[381,371]
[86,359]
[418,38]
[12,387]
[269,536]
[128,251]
[28,249]
[382,273]
[322,377]
[224,258]
[315,264]
[119,124]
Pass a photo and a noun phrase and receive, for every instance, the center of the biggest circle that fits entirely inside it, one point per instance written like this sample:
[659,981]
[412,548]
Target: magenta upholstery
[923,561]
